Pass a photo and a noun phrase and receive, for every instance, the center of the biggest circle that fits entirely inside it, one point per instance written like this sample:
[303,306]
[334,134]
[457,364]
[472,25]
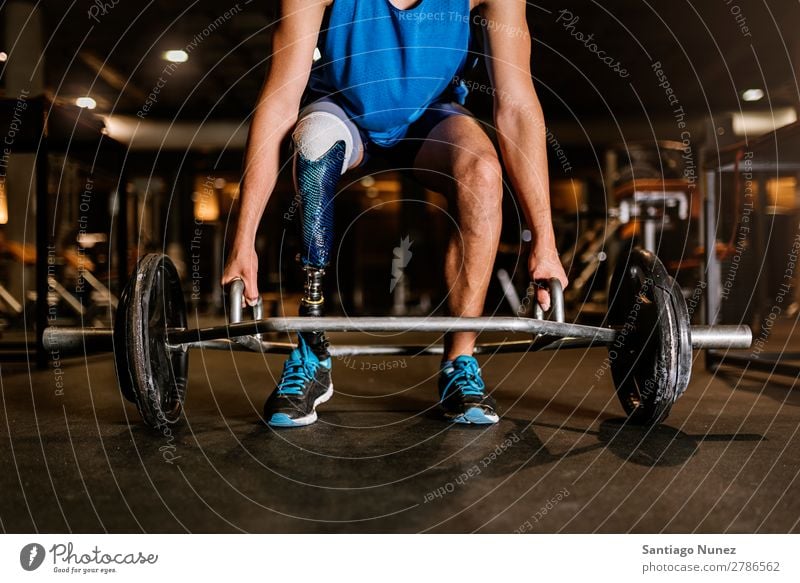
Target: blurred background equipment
[123,127]
[752,275]
[128,139]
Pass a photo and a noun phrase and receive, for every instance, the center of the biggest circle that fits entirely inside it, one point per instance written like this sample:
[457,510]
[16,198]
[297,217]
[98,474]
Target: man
[388,85]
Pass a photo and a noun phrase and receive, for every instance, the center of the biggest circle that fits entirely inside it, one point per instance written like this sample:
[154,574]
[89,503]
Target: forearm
[523,145]
[271,124]
[293,41]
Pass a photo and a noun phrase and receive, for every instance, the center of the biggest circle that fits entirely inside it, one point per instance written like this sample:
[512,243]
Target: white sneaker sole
[475,416]
[283,420]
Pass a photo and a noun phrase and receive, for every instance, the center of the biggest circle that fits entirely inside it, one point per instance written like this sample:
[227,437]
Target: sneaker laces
[298,370]
[466,376]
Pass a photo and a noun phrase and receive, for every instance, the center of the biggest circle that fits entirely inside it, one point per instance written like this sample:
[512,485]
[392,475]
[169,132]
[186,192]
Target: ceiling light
[755,123]
[753,94]
[176,56]
[86,102]
[3,56]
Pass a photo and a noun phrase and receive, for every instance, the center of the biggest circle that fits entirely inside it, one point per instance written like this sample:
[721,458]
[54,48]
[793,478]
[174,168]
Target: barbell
[647,332]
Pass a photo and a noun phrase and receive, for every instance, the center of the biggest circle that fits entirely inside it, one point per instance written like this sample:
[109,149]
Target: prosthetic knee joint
[323,147]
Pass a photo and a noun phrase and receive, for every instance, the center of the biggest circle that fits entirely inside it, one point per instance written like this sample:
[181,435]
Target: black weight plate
[120,344]
[149,372]
[651,359]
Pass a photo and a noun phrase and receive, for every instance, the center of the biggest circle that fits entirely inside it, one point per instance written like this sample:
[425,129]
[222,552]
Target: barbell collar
[722,336]
[58,340]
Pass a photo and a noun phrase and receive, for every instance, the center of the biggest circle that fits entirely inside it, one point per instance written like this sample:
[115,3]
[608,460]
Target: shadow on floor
[659,446]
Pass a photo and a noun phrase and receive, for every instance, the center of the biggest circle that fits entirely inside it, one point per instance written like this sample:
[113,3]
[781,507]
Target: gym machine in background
[78,182]
[650,188]
[649,202]
[755,257]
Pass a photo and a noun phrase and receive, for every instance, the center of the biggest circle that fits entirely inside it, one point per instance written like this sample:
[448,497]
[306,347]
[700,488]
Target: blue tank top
[384,66]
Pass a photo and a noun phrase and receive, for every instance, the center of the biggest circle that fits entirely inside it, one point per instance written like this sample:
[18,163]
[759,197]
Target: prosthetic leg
[323,147]
[323,143]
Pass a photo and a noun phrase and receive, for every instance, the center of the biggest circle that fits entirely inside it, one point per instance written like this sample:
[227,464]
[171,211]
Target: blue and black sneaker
[462,393]
[305,383]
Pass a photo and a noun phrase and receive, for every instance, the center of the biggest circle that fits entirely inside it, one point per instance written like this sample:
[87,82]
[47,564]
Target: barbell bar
[73,340]
[649,356]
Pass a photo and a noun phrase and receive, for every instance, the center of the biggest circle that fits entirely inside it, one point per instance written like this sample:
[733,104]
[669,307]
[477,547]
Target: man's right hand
[243,264]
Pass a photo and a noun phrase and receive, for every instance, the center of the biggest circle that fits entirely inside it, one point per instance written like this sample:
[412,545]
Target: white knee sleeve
[318,131]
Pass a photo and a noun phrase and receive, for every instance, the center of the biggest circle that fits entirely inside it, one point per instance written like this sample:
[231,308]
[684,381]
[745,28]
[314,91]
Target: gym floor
[379,460]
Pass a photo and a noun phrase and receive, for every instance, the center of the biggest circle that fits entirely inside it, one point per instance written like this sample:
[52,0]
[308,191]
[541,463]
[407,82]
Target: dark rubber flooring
[380,460]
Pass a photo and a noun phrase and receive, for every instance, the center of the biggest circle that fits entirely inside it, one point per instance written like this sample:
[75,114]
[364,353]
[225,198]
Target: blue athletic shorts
[401,155]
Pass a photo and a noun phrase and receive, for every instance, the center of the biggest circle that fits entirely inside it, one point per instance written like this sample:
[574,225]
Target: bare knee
[478,184]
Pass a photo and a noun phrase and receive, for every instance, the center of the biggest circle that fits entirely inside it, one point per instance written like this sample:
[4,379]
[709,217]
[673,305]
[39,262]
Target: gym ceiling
[703,46]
